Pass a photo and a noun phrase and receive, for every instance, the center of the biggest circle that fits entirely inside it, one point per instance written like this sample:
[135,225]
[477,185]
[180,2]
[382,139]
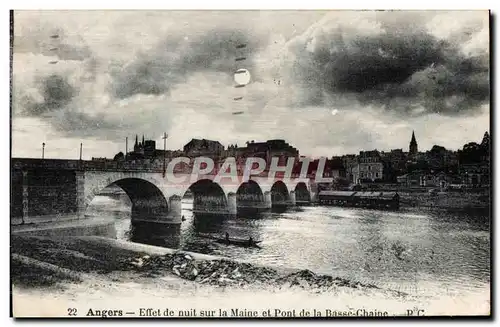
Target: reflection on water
[422,253]
[165,235]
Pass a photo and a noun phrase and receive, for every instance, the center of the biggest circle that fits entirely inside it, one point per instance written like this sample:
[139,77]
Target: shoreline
[76,272]
[70,258]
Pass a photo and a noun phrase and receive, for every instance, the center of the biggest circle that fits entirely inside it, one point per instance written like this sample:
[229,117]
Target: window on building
[376,175]
[369,167]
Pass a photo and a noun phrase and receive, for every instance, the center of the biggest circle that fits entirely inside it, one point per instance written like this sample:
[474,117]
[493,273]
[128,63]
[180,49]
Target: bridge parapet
[124,166]
[62,187]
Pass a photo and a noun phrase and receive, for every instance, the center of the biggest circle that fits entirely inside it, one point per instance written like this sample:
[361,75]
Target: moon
[242,76]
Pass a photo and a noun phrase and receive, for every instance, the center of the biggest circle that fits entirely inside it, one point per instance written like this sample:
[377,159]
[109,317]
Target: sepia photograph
[275,164]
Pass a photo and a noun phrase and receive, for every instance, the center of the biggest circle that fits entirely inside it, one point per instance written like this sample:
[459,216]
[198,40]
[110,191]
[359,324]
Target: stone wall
[51,192]
[16,193]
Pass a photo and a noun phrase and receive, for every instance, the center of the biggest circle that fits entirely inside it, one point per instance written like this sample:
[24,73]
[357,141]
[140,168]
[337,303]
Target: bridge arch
[302,194]
[249,194]
[147,199]
[208,196]
[279,193]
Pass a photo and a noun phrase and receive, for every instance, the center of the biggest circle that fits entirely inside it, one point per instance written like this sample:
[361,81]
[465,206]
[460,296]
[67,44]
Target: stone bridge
[65,188]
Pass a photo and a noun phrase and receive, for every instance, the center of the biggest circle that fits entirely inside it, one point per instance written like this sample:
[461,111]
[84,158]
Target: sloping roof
[201,142]
[337,193]
[385,195]
[372,195]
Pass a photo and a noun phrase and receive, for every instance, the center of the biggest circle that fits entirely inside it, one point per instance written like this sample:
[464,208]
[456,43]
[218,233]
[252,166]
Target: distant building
[425,179]
[485,145]
[100,158]
[413,146]
[476,174]
[349,162]
[232,150]
[282,150]
[169,154]
[149,148]
[265,150]
[203,147]
[394,164]
[369,167]
[474,162]
[118,157]
[337,164]
[140,150]
[332,169]
[436,156]
[145,151]
[138,147]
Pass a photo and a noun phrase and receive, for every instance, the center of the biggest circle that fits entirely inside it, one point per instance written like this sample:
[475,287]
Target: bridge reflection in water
[191,233]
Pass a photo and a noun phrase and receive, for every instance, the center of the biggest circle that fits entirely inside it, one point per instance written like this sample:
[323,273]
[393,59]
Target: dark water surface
[422,253]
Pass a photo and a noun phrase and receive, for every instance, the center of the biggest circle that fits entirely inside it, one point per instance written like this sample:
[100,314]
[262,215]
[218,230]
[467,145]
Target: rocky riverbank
[38,261]
[93,276]
[225,272]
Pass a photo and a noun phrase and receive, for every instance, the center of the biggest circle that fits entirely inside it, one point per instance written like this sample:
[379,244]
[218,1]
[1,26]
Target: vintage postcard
[250,164]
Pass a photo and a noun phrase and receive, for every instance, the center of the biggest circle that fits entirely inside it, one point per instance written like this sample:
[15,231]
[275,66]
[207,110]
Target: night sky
[329,83]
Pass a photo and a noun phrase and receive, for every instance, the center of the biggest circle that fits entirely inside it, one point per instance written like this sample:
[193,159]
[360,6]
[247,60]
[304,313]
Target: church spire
[413,144]
[486,139]
[142,139]
[136,138]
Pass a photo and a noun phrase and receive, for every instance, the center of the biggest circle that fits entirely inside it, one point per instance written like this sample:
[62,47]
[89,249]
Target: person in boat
[183,219]
[227,237]
[250,241]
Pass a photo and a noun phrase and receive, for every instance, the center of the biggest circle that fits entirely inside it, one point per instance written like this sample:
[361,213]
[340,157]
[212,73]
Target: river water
[421,253]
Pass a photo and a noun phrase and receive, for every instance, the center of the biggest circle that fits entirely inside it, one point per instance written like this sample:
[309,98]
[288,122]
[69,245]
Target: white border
[186,4]
[257,4]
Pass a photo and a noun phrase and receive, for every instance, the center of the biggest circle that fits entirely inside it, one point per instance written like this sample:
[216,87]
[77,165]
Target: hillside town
[438,167]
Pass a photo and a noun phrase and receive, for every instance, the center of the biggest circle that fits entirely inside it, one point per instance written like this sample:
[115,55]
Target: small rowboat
[232,241]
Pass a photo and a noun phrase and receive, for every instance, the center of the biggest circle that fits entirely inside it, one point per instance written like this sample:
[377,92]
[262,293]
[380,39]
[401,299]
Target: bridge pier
[155,211]
[314,197]
[231,203]
[268,202]
[25,196]
[80,194]
[175,209]
[292,198]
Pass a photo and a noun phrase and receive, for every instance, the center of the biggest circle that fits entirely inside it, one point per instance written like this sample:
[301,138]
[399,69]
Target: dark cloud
[304,68]
[60,110]
[397,69]
[176,57]
[56,93]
